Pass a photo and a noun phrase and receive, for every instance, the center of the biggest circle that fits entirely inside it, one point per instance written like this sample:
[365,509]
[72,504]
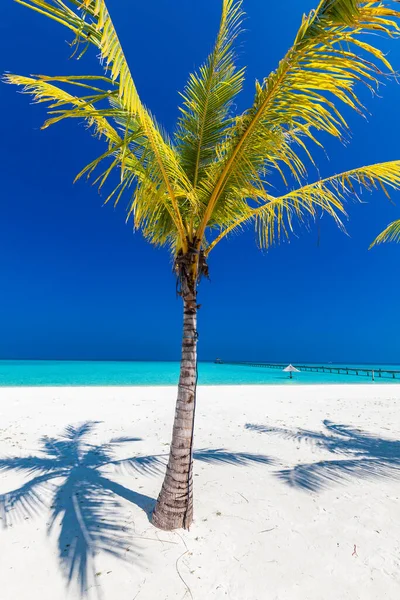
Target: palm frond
[390,234]
[328,195]
[128,152]
[208,97]
[165,165]
[42,89]
[303,96]
[63,105]
[92,24]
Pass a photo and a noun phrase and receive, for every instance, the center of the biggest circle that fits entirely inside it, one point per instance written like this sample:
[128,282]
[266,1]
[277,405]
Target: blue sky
[78,283]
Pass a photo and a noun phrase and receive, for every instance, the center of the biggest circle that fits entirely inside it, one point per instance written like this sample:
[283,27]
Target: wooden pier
[372,372]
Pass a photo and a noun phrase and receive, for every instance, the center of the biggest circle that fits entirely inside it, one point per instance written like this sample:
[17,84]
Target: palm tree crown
[213,176]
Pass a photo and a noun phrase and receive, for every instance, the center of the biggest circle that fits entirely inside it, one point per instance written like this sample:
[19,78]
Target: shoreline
[290,385]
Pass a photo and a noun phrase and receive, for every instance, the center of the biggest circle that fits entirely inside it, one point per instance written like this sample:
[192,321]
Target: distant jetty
[372,372]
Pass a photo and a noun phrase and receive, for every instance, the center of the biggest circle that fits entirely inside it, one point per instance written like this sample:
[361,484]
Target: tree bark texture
[174,508]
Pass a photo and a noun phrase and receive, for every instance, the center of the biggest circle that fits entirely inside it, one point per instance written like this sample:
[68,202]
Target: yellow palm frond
[327,195]
[208,97]
[302,97]
[164,157]
[128,152]
[92,24]
[42,89]
[390,234]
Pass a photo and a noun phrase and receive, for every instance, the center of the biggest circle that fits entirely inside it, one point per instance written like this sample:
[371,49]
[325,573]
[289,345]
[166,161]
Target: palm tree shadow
[70,478]
[364,455]
[85,505]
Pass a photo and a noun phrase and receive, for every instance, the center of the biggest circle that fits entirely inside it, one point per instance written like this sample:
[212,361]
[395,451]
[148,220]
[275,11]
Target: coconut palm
[214,175]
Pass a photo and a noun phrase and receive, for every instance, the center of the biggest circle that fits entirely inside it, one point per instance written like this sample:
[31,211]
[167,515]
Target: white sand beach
[297,494]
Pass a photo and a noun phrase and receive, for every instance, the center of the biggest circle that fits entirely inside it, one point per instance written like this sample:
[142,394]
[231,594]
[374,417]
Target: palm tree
[214,176]
[71,475]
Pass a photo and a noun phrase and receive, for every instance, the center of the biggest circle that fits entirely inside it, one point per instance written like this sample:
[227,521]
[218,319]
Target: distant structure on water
[372,372]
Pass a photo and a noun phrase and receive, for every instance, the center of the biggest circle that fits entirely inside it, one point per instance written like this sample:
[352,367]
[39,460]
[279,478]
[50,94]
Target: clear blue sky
[76,281]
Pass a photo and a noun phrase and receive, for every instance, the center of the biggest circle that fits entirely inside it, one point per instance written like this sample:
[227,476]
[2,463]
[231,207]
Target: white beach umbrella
[291,369]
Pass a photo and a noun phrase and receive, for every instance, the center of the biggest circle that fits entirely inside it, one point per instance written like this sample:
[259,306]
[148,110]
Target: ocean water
[94,373]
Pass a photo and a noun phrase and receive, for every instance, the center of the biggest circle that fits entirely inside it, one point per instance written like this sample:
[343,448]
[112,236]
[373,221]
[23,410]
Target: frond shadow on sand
[70,478]
[359,454]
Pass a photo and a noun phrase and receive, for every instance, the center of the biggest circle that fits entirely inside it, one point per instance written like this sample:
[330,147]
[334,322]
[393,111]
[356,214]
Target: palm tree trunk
[174,508]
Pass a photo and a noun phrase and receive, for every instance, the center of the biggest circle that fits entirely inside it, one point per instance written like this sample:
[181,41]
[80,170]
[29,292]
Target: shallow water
[46,373]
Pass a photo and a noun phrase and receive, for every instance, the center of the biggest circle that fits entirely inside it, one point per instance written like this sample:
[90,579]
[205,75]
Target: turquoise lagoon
[95,373]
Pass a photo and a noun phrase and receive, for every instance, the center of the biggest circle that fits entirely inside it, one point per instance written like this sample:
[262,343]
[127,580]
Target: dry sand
[302,505]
